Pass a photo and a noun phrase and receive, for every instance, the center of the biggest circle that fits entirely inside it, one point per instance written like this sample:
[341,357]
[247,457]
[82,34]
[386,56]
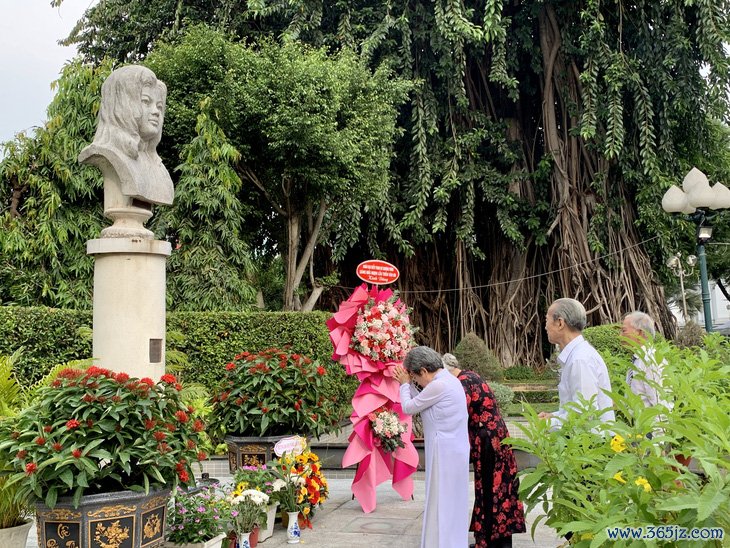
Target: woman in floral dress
[498,512]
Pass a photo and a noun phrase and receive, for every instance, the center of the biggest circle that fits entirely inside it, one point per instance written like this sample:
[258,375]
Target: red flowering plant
[271,393]
[97,431]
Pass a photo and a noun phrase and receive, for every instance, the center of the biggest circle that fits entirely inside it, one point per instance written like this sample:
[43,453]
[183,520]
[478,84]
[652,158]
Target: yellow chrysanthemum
[643,483]
[618,444]
[619,478]
[301,459]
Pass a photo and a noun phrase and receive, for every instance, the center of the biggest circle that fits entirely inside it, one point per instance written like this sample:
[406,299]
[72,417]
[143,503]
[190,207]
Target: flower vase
[293,532]
[270,518]
[244,539]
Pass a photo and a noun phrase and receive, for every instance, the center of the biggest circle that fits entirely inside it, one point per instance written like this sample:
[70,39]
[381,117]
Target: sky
[30,58]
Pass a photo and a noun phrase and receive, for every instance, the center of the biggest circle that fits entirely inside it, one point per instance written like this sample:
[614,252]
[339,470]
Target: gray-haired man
[582,369]
[645,376]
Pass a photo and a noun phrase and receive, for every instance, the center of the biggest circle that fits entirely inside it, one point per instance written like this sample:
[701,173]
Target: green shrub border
[209,339]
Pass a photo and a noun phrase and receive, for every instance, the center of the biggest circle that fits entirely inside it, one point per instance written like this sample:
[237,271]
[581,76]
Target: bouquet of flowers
[197,516]
[248,509]
[288,484]
[301,484]
[383,331]
[387,429]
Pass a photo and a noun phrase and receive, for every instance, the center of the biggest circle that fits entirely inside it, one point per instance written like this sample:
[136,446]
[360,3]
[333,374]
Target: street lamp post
[675,263]
[694,199]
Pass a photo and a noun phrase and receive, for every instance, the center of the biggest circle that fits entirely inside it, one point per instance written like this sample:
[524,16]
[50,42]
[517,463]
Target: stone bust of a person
[125,144]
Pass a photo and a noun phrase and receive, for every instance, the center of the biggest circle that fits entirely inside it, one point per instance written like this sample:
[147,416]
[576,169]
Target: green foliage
[588,480]
[211,268]
[187,524]
[473,355]
[503,394]
[12,509]
[303,135]
[51,205]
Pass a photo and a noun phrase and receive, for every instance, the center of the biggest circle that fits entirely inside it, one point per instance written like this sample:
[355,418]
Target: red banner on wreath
[377,272]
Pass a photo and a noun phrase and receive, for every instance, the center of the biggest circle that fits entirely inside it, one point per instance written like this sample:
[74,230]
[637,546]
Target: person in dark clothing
[498,512]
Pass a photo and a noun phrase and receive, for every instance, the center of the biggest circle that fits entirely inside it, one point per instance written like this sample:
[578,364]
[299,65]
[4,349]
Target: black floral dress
[498,513]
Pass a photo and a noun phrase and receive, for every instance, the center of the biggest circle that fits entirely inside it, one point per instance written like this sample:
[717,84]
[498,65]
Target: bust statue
[125,150]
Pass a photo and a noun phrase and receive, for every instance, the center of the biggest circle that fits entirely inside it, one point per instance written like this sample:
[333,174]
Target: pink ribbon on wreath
[377,389]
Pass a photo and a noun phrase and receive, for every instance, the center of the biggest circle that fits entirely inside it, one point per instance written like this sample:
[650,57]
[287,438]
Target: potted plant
[101,451]
[265,396]
[248,510]
[197,518]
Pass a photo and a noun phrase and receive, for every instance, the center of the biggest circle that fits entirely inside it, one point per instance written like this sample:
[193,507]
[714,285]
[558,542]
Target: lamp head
[704,233]
[691,260]
[673,261]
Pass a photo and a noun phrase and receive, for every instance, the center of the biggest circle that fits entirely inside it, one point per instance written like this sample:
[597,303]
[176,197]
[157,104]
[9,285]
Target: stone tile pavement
[395,523]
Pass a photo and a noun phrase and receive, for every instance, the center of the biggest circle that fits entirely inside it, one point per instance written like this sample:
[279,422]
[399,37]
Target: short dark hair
[423,357]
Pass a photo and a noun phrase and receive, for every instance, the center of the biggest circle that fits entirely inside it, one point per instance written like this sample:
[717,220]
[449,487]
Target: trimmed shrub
[503,394]
[689,335]
[607,340]
[473,355]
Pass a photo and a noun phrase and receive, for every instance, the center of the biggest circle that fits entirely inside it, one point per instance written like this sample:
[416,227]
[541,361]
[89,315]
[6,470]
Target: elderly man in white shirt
[645,376]
[582,370]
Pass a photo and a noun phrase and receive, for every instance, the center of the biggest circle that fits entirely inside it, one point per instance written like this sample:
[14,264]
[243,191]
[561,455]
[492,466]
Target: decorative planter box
[121,519]
[250,451]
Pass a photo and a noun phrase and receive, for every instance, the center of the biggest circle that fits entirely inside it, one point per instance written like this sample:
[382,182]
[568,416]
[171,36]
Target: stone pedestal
[129,305]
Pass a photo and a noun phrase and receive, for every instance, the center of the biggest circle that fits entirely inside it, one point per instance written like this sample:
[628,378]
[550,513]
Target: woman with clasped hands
[442,404]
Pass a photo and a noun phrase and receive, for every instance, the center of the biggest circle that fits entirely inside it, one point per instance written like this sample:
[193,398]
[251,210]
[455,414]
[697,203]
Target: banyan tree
[536,143]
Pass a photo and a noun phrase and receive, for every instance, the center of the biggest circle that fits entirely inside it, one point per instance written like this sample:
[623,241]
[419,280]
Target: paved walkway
[395,523]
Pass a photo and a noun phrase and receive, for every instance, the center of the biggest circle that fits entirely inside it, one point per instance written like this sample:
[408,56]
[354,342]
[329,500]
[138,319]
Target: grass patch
[515,409]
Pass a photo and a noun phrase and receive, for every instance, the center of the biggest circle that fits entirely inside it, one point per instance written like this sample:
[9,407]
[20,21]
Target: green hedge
[209,339]
[212,339]
[526,373]
[48,336]
[537,396]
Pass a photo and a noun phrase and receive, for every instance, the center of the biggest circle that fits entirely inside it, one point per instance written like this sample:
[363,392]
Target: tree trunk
[290,285]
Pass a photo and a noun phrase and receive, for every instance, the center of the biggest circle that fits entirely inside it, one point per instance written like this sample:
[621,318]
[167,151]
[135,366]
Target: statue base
[129,320]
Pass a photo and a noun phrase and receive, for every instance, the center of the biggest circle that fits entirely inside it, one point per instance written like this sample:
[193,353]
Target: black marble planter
[250,451]
[122,519]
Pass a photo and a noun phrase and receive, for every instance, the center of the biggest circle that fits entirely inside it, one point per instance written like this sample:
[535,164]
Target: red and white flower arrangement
[387,429]
[383,331]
